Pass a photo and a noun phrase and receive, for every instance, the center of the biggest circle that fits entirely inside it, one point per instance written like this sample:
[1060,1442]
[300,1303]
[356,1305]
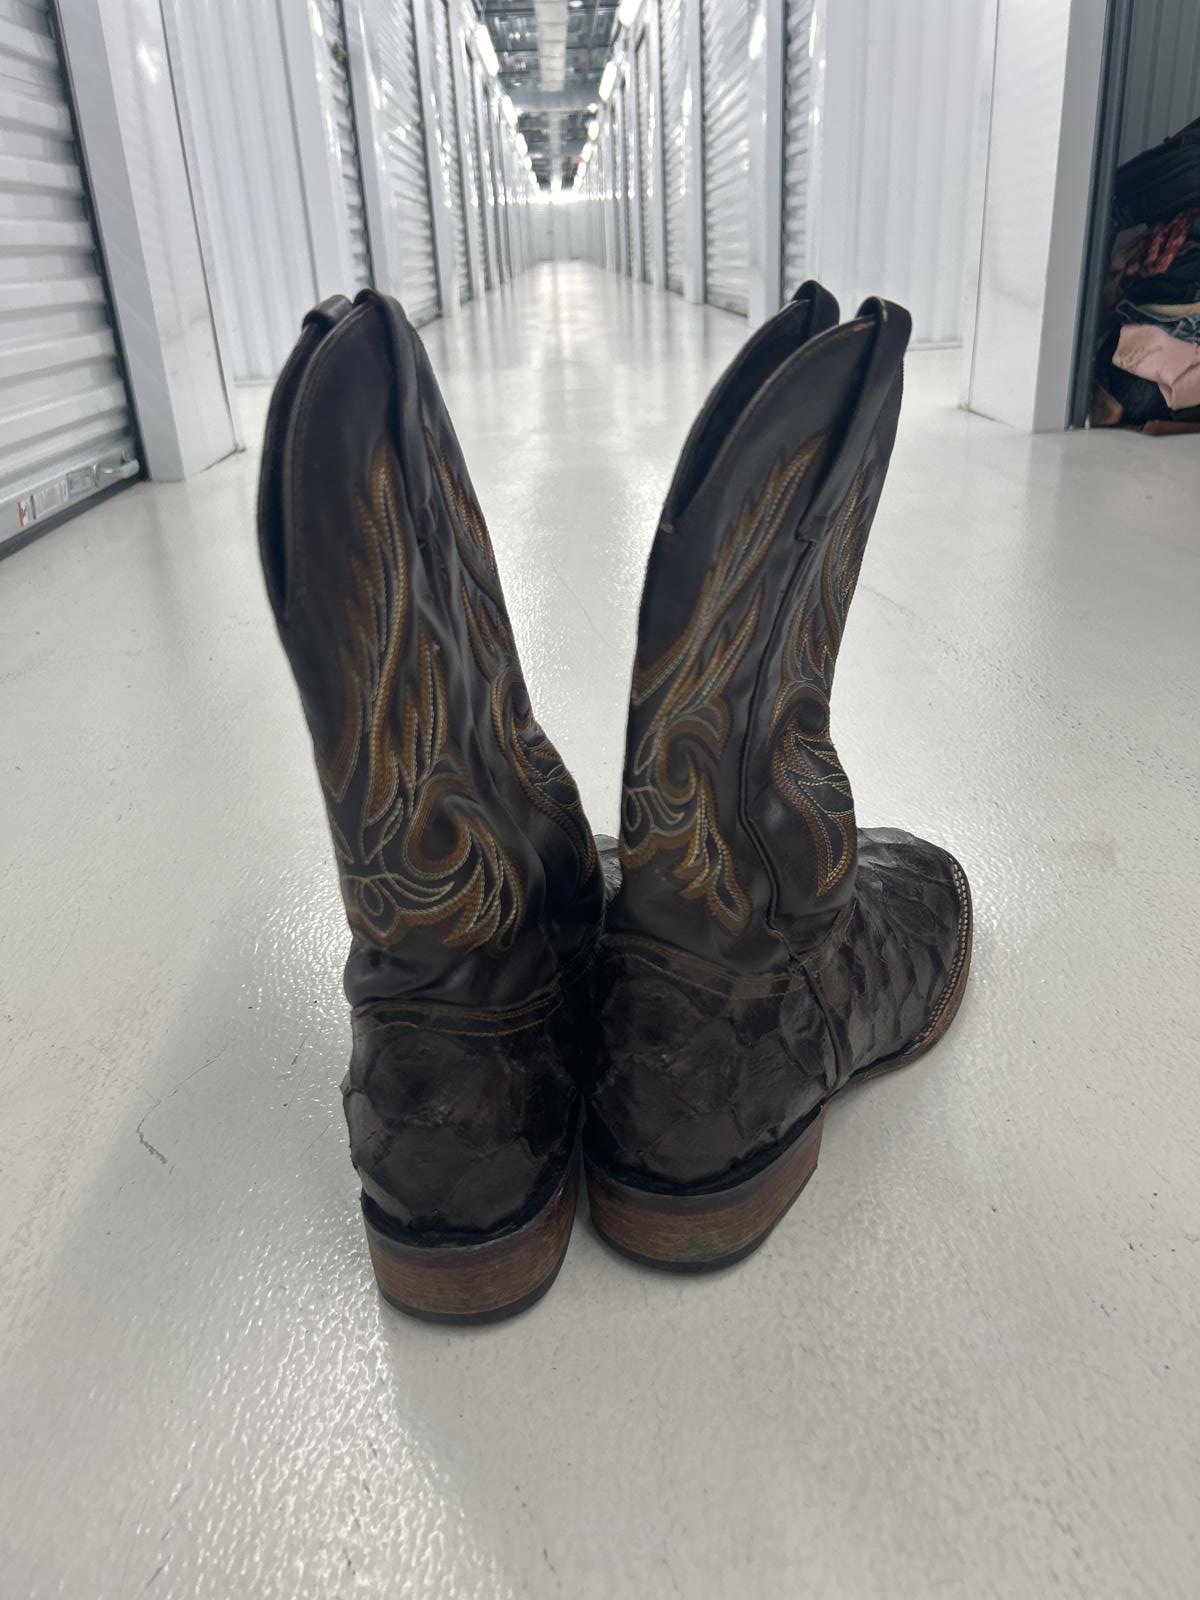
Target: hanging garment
[1173,364]
[1154,252]
[1157,183]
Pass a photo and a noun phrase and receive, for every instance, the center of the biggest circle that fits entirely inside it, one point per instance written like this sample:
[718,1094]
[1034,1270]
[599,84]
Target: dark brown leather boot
[469,874]
[761,953]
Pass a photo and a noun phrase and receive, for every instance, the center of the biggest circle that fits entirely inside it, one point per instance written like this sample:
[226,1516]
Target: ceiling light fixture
[627,13]
[487,50]
[608,79]
[593,130]
[522,145]
[509,110]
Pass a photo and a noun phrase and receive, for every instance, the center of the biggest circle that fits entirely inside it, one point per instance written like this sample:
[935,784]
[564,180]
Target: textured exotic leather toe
[884,982]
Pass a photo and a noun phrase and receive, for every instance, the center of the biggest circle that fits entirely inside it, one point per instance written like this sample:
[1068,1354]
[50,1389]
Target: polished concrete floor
[966,1365]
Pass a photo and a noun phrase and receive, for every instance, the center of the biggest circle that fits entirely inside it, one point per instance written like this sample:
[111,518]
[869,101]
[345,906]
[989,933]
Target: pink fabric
[1173,364]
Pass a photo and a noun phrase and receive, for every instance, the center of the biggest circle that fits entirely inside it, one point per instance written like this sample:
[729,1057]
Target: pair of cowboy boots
[680,1009]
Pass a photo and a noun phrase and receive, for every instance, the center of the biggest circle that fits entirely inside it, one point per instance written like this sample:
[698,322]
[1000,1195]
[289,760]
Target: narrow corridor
[250,1410]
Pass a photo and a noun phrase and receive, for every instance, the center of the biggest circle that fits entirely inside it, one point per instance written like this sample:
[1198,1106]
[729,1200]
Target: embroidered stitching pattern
[544,779]
[804,763]
[419,852]
[668,802]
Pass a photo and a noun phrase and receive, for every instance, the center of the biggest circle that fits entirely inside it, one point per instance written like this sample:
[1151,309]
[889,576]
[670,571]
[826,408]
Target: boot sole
[476,1281]
[704,1228]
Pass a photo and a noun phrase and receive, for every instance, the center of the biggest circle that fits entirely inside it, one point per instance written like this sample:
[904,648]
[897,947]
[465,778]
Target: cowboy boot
[469,875]
[761,953]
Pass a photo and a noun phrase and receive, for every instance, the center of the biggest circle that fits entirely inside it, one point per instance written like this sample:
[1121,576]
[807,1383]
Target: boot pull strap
[328,314]
[824,310]
[893,328]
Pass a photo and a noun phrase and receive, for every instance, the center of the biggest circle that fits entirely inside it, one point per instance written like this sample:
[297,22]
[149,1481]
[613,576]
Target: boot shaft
[467,869]
[738,839]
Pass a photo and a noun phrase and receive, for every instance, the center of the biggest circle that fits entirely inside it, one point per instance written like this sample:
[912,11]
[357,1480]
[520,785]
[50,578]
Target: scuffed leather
[760,950]
[703,1069]
[471,880]
[458,1122]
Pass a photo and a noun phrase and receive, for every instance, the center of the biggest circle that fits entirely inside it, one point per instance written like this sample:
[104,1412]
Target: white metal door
[621,167]
[334,34]
[448,149]
[633,221]
[725,39]
[487,187]
[403,141]
[797,142]
[66,428]
[674,73]
[647,153]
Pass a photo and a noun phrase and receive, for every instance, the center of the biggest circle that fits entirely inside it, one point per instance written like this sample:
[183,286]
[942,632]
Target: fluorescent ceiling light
[487,50]
[522,145]
[510,111]
[627,13]
[585,155]
[608,79]
[593,130]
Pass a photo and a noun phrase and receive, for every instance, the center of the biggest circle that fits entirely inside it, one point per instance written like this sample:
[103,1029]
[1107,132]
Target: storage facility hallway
[994,1265]
[434,938]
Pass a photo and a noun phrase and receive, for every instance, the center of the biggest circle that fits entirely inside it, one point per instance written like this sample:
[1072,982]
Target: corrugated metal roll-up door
[674,74]
[483,161]
[443,72]
[621,169]
[612,198]
[391,22]
[725,40]
[647,154]
[500,179]
[472,197]
[334,31]
[797,114]
[632,177]
[66,426]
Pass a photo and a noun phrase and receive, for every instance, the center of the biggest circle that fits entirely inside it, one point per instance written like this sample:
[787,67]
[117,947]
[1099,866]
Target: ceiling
[551,118]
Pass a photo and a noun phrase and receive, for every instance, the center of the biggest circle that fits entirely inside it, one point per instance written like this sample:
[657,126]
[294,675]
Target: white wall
[1032,188]
[236,82]
[892,108]
[129,123]
[890,209]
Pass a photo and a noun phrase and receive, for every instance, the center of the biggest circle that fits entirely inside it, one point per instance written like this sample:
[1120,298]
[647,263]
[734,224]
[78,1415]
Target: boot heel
[481,1280]
[706,1226]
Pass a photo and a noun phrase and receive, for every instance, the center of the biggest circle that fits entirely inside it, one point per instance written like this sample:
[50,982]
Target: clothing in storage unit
[797,134]
[1148,363]
[333,33]
[447,139]
[725,40]
[390,24]
[66,425]
[674,76]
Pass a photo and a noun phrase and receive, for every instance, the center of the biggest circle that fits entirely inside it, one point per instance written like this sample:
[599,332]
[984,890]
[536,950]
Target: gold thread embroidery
[804,763]
[395,749]
[538,766]
[668,801]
